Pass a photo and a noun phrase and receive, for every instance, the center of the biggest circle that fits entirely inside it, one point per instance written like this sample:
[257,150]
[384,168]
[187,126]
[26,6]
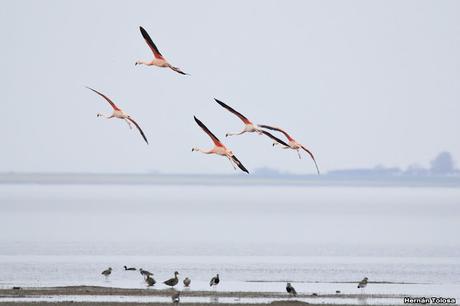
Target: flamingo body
[291,144]
[158,60]
[219,148]
[249,127]
[120,114]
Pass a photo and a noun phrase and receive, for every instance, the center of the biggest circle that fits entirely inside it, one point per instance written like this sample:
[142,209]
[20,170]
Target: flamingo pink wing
[106,98]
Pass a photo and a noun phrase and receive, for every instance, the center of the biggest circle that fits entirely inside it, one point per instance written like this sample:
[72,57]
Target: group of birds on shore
[219,148]
[215,280]
[172,282]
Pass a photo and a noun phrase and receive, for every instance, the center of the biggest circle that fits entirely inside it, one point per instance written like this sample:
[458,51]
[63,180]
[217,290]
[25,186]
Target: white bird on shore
[290,289]
[249,127]
[107,272]
[120,114]
[214,281]
[363,283]
[158,59]
[219,148]
[292,143]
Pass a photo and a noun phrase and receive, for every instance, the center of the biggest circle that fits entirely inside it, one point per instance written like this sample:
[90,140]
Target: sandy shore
[282,298]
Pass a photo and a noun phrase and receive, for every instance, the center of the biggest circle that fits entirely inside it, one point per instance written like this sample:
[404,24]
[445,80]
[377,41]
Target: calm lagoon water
[256,237]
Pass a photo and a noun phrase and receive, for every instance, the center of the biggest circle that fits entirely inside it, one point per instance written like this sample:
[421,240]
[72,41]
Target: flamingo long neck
[144,63]
[233,134]
[104,116]
[204,151]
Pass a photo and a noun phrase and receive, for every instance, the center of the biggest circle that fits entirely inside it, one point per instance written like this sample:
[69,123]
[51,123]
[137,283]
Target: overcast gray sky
[358,82]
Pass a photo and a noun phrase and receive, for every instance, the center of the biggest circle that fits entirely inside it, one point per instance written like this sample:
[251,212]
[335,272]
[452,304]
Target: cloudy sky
[358,82]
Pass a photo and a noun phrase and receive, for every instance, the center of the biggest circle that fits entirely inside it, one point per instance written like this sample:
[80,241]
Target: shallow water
[322,239]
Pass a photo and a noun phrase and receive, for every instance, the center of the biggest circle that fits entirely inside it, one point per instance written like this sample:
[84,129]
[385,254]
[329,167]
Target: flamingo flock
[219,148]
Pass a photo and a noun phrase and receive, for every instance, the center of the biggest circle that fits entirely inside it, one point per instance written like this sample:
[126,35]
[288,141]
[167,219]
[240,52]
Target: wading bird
[291,144]
[219,148]
[214,281]
[290,289]
[158,59]
[172,281]
[120,114]
[249,127]
[107,272]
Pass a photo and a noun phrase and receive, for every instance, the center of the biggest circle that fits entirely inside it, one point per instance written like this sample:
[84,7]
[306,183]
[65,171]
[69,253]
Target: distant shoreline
[228,180]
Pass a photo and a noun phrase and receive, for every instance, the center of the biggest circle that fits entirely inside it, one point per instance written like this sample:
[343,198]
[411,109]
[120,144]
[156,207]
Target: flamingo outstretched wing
[312,157]
[275,138]
[105,97]
[139,128]
[207,131]
[239,164]
[239,115]
[273,128]
[149,42]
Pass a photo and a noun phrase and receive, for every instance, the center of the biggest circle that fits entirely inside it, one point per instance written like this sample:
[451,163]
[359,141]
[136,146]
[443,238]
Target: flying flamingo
[249,127]
[158,60]
[219,148]
[120,114]
[291,144]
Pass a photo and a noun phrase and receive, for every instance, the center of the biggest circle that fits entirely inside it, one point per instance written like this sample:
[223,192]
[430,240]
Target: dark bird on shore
[187,282]
[145,273]
[150,281]
[214,281]
[290,289]
[175,298]
[129,269]
[172,281]
[107,272]
[363,283]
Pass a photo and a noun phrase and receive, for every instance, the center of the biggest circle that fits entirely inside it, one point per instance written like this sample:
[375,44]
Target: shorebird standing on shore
[219,148]
[129,269]
[187,282]
[362,284]
[172,281]
[158,59]
[214,281]
[290,290]
[107,272]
